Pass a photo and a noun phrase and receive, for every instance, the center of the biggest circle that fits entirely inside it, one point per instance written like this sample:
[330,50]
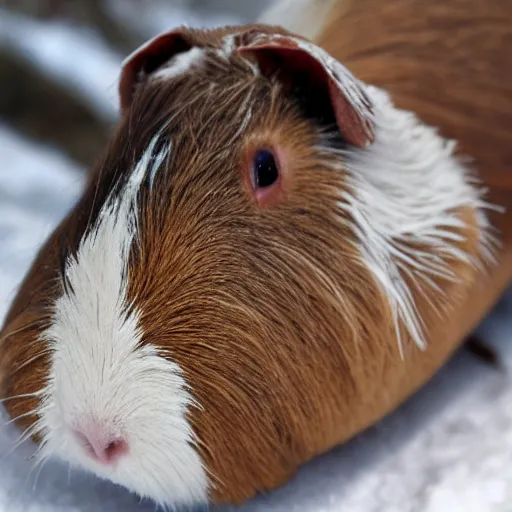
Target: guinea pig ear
[146,59]
[295,59]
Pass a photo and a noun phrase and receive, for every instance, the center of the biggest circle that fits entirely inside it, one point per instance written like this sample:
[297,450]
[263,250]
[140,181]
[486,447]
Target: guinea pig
[285,238]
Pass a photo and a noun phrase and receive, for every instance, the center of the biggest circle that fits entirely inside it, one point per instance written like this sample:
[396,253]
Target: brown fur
[283,334]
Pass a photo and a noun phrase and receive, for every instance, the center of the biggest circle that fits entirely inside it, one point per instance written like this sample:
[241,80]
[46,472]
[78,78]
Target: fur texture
[181,63]
[282,320]
[100,372]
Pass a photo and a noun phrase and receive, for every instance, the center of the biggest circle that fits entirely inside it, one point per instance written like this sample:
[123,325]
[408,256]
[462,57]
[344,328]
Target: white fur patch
[404,190]
[228,47]
[180,64]
[100,370]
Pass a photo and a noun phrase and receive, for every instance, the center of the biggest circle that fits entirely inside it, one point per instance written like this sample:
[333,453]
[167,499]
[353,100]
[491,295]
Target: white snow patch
[38,185]
[78,58]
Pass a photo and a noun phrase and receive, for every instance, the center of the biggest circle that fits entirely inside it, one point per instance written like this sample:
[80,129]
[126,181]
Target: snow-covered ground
[449,449]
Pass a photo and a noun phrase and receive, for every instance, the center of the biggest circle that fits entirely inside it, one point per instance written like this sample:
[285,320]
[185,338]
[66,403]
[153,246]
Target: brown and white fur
[181,337]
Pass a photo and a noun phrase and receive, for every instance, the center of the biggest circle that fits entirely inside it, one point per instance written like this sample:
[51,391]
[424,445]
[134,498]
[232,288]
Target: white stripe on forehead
[179,64]
[100,370]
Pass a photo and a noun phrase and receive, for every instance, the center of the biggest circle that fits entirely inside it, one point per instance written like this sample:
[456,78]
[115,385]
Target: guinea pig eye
[265,170]
[264,176]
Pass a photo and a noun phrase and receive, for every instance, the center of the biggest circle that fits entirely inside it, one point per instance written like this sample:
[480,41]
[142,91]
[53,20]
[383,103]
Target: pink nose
[102,447]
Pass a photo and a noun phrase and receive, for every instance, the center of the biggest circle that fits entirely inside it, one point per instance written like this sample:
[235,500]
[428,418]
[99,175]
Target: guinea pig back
[270,256]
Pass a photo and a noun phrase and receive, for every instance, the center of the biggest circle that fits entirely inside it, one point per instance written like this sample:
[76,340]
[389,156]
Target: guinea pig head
[198,325]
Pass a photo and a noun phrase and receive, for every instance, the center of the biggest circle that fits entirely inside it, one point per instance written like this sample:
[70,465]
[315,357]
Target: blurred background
[449,449]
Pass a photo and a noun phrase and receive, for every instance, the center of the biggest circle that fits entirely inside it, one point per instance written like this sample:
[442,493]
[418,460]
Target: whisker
[29,475]
[25,395]
[41,462]
[32,359]
[32,412]
[28,432]
[21,329]
[38,428]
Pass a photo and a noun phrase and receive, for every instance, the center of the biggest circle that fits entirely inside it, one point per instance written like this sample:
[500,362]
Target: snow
[448,449]
[38,185]
[75,56]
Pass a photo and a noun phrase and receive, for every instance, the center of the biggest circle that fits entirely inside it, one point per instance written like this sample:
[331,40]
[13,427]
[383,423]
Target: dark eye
[265,170]
[266,175]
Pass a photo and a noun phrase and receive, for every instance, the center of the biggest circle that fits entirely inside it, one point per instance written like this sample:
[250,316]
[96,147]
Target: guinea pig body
[271,256]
